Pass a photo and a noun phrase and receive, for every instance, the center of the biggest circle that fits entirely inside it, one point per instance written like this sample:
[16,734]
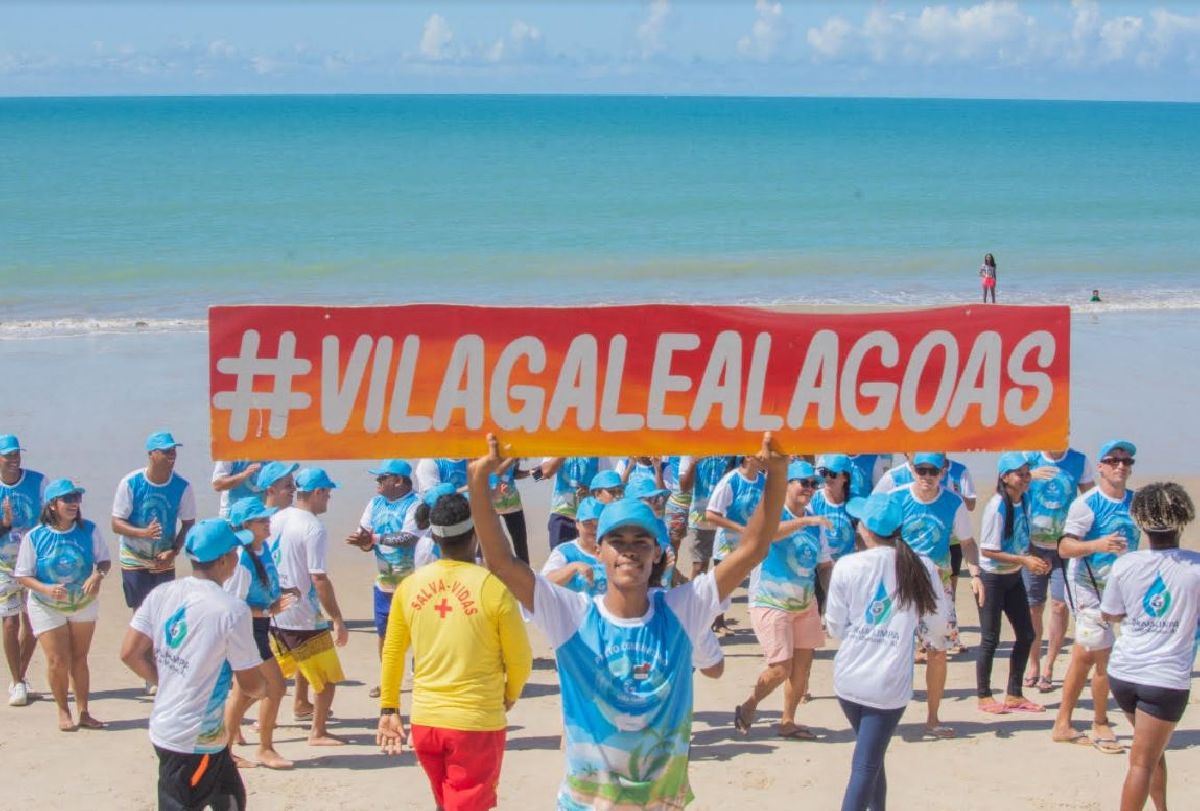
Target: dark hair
[208,565]
[912,581]
[988,259]
[421,515]
[260,571]
[1162,510]
[450,509]
[656,569]
[1009,509]
[48,517]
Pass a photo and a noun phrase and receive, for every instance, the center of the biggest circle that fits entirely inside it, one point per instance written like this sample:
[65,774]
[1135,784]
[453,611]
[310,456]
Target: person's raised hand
[1041,474]
[772,456]
[486,465]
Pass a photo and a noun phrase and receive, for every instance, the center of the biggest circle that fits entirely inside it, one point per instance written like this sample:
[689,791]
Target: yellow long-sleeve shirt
[470,649]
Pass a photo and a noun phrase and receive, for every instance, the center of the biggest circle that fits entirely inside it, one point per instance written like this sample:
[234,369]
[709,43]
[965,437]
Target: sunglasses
[826,473]
[927,470]
[71,498]
[1114,461]
[383,478]
[809,483]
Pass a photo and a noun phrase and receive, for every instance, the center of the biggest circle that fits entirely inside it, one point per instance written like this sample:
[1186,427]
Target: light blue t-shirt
[927,528]
[139,502]
[862,474]
[994,537]
[453,472]
[25,498]
[840,538]
[1050,499]
[570,552]
[246,489]
[735,497]
[395,548]
[786,579]
[62,558]
[709,472]
[260,596]
[626,693]
[1092,516]
[575,472]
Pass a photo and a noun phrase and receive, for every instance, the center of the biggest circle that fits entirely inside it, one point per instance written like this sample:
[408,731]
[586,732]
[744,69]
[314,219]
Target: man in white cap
[192,639]
[303,641]
[21,495]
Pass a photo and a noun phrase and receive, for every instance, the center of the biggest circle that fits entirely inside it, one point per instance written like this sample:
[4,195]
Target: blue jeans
[873,730]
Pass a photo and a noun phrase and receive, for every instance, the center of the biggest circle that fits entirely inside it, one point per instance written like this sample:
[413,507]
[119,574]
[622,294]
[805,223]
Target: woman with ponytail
[1005,547]
[1155,594]
[256,581]
[877,600]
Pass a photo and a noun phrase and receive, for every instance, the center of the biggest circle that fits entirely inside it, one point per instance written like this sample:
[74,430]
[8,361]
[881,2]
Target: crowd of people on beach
[849,547]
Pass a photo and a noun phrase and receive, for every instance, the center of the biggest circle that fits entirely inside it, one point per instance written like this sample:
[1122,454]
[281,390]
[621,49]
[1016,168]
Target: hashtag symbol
[278,402]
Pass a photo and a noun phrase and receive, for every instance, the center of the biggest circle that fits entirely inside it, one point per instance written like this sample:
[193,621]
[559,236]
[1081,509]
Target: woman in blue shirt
[62,562]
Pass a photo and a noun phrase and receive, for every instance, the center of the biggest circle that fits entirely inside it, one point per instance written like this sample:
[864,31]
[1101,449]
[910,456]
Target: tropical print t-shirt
[1092,516]
[787,578]
[398,551]
[839,537]
[1051,499]
[736,498]
[994,537]
[709,472]
[139,501]
[626,693]
[62,558]
[25,501]
[571,552]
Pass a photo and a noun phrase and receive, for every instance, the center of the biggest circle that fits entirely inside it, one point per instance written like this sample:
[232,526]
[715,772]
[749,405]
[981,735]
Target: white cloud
[523,42]
[767,33]
[437,39]
[650,32]
[1174,37]
[832,39]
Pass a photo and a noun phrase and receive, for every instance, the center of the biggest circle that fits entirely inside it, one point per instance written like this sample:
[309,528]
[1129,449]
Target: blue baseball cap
[61,487]
[1010,461]
[801,470]
[589,509]
[272,472]
[644,488]
[249,509]
[1115,444]
[161,441]
[9,444]
[929,458]
[879,512]
[606,480]
[836,462]
[627,512]
[393,467]
[209,539]
[313,478]
[431,496]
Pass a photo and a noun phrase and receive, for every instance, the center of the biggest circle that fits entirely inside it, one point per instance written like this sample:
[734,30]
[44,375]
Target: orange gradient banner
[431,379]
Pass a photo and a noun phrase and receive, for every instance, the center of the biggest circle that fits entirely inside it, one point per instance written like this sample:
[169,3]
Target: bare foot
[325,740]
[240,740]
[272,760]
[66,723]
[302,712]
[243,763]
[86,721]
[1103,730]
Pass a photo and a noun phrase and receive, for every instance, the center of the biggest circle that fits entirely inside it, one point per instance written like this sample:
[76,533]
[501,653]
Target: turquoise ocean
[126,216]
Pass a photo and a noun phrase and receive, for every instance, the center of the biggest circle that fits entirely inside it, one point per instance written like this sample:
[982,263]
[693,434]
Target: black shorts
[137,583]
[262,637]
[194,782]
[955,559]
[1163,703]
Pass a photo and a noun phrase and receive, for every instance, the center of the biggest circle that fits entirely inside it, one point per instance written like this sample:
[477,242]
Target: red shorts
[989,282]
[463,767]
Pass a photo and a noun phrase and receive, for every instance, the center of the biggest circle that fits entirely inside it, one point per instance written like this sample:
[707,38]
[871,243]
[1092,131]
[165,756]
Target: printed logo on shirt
[1157,600]
[24,510]
[1052,495]
[176,628]
[641,672]
[67,565]
[879,610]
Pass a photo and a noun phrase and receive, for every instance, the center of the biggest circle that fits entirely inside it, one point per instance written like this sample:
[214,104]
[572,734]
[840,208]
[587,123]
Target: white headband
[454,529]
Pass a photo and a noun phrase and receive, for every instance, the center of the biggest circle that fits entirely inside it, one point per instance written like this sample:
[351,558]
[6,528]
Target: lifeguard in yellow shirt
[471,658]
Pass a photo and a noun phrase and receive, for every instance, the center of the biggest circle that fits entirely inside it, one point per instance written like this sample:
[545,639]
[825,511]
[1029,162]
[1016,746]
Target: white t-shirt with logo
[302,548]
[1158,592]
[874,663]
[201,635]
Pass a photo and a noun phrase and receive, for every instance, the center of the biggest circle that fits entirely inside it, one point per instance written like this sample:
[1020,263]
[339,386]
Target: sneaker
[151,689]
[18,694]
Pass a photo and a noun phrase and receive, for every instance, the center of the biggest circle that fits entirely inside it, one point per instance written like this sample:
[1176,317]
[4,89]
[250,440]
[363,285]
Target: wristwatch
[389,711]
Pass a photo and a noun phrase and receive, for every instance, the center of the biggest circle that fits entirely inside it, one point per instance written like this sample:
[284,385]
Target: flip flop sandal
[994,708]
[1079,739]
[1109,746]
[798,733]
[739,721]
[940,732]
[1030,681]
[1025,706]
[1044,685]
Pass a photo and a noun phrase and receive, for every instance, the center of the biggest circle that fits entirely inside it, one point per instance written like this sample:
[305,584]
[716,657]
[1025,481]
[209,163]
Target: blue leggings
[873,730]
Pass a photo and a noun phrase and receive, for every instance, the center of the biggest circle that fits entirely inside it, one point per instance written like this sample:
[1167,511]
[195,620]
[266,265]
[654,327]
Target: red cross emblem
[443,608]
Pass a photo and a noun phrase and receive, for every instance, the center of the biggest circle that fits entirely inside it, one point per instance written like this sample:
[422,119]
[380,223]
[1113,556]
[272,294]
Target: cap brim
[245,535]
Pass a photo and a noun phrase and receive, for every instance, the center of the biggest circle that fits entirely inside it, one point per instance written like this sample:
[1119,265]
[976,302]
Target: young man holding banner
[625,658]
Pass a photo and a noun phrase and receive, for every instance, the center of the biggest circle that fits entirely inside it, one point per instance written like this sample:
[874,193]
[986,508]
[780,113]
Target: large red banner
[430,380]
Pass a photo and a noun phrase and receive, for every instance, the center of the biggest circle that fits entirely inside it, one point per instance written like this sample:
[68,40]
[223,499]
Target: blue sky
[1085,49]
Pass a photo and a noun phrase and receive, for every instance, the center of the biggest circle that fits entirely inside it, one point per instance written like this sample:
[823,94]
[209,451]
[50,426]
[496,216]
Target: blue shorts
[1036,584]
[383,608]
[137,583]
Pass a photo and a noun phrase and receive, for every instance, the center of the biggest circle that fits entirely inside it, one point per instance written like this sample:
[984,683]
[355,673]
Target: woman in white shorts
[62,562]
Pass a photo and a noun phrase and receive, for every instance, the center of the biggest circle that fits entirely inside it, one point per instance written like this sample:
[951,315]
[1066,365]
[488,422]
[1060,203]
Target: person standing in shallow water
[987,276]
